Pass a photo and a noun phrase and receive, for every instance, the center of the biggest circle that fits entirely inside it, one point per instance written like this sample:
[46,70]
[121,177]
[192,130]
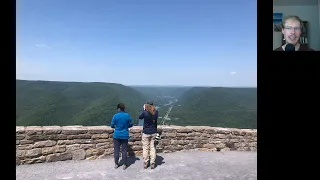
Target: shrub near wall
[38,144]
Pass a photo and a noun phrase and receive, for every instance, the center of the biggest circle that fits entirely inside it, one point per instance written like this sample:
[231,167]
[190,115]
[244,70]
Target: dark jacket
[302,47]
[121,122]
[149,127]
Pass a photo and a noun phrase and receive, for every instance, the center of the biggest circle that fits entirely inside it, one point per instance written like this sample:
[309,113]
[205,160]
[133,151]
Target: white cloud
[232,73]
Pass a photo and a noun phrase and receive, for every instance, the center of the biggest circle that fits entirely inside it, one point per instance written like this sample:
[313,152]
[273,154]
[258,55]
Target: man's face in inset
[292,31]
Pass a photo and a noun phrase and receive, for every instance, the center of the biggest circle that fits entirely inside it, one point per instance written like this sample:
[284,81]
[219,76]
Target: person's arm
[141,115]
[156,119]
[113,122]
[130,122]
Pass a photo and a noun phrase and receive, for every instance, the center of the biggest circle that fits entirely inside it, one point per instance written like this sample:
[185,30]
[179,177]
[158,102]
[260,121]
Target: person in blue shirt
[121,122]
[150,116]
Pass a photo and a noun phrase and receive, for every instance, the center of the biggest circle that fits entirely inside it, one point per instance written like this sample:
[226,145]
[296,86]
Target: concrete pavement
[193,165]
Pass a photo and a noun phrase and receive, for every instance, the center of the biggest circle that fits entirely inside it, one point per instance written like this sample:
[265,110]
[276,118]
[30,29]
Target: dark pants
[124,144]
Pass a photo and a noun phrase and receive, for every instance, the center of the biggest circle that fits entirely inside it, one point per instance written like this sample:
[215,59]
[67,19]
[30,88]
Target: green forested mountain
[213,106]
[157,93]
[72,103]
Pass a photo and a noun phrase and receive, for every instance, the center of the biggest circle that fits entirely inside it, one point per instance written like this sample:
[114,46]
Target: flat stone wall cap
[176,127]
[221,128]
[233,129]
[20,128]
[98,127]
[249,130]
[187,127]
[199,127]
[79,127]
[169,127]
[33,128]
[209,127]
[51,127]
[73,128]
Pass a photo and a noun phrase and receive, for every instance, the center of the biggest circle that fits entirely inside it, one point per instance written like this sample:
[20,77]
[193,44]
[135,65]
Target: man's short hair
[121,106]
[290,17]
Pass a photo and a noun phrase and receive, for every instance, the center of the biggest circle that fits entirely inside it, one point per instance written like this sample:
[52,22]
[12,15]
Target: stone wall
[38,144]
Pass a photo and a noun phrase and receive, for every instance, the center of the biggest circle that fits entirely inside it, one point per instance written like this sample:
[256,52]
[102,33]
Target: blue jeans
[116,144]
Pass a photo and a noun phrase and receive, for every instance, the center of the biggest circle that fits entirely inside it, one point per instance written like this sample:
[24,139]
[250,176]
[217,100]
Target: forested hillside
[72,103]
[223,107]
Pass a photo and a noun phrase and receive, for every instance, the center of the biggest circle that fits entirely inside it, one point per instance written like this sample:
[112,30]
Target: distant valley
[73,103]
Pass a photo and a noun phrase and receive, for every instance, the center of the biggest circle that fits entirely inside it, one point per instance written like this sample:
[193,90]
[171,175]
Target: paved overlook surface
[190,165]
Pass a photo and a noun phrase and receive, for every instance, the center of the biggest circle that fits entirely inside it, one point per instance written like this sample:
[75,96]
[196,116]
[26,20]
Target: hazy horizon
[142,43]
[137,85]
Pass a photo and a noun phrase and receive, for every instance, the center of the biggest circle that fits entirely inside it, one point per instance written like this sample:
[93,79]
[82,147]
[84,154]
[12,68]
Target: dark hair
[121,106]
[150,102]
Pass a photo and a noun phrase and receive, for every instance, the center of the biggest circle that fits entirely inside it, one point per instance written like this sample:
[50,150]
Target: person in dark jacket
[121,121]
[150,116]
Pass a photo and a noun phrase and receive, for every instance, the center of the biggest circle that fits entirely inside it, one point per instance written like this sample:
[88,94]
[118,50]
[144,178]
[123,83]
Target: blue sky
[138,42]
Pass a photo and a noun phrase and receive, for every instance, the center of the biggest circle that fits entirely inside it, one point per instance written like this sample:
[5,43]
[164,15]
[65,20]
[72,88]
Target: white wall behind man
[306,13]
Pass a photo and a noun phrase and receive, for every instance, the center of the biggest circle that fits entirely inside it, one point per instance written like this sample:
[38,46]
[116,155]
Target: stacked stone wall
[38,144]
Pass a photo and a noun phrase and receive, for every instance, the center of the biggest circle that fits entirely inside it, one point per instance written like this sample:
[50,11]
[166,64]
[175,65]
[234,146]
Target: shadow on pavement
[131,160]
[159,160]
[131,156]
